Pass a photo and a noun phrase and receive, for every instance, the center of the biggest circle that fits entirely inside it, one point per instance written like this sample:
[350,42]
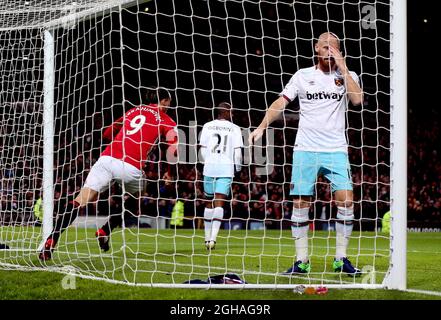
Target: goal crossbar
[33,17]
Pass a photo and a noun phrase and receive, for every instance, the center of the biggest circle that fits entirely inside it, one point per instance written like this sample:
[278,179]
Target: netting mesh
[25,14]
[205,52]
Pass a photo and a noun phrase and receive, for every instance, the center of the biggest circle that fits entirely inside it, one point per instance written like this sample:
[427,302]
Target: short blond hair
[327,34]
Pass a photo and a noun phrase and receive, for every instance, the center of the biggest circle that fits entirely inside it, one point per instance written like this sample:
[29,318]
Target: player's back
[220,138]
[141,129]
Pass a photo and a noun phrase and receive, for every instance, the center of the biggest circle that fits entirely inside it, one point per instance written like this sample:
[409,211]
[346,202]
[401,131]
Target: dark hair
[156,95]
[223,109]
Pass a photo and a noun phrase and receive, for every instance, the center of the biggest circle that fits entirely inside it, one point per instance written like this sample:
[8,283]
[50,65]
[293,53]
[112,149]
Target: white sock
[300,233]
[343,231]
[208,217]
[218,215]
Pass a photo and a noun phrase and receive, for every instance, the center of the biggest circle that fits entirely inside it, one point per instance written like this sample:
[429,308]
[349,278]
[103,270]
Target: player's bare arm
[271,114]
[354,91]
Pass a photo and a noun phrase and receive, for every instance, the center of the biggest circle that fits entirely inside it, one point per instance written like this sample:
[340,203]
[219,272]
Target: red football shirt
[136,132]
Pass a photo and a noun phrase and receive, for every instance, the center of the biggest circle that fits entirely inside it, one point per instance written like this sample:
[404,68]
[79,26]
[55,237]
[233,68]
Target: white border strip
[432,293]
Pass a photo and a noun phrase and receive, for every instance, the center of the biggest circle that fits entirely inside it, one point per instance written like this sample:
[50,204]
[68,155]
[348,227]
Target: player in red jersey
[122,161]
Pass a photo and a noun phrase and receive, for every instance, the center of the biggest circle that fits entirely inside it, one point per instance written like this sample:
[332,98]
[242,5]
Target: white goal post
[397,276]
[71,68]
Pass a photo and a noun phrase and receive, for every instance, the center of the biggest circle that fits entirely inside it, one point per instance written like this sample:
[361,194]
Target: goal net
[69,69]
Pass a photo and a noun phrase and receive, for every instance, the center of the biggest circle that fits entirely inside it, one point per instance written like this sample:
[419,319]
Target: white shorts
[108,170]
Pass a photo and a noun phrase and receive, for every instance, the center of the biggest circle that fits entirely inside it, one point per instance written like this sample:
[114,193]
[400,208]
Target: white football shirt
[221,141]
[323,102]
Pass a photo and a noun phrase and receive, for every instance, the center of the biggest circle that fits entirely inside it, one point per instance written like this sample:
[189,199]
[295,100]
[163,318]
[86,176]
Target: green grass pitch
[174,256]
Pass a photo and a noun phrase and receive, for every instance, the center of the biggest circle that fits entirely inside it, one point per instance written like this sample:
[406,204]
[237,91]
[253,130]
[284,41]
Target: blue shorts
[307,165]
[216,185]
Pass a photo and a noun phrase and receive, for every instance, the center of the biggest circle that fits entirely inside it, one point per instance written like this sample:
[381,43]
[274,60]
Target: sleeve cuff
[286,98]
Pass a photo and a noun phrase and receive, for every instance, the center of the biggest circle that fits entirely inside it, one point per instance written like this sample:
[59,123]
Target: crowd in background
[256,199]
[424,169]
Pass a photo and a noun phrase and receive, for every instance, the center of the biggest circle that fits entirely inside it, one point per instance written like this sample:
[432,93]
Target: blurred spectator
[257,200]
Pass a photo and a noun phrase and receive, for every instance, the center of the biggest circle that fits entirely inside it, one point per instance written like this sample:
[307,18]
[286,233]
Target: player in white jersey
[320,147]
[221,148]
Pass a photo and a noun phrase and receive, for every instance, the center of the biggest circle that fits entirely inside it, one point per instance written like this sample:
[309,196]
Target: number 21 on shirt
[217,147]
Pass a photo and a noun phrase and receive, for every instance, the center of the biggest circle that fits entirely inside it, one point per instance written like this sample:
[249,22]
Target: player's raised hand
[255,135]
[338,57]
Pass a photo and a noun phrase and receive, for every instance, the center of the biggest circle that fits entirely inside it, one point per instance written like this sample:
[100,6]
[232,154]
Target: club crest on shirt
[339,82]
